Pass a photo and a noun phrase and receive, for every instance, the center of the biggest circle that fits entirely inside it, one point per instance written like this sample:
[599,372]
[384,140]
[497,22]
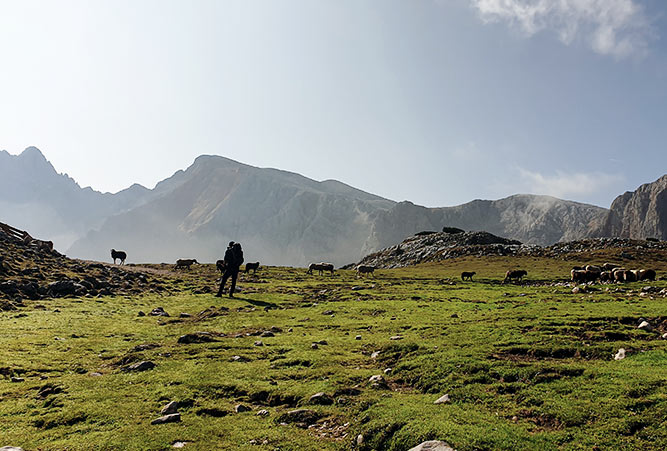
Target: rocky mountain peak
[638,214]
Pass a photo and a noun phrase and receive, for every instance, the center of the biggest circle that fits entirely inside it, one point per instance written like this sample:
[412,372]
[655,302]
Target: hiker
[233,260]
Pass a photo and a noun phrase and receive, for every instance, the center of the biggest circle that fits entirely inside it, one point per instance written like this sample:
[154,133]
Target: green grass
[526,366]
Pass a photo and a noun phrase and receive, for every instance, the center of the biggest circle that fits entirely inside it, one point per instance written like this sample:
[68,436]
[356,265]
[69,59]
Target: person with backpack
[232,261]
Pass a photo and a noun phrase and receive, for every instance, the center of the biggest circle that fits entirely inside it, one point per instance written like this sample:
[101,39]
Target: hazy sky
[434,101]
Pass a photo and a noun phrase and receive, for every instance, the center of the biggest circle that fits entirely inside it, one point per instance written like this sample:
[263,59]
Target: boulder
[170,408]
[321,399]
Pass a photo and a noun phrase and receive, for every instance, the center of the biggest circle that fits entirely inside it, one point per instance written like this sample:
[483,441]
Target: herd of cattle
[609,272]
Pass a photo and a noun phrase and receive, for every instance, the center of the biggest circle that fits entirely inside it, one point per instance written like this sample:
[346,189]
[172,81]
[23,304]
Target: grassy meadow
[526,366]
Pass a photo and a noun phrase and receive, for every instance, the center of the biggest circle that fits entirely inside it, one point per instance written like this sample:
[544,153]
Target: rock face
[638,214]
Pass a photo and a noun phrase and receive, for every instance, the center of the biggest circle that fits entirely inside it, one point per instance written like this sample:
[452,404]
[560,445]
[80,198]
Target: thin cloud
[618,28]
[568,185]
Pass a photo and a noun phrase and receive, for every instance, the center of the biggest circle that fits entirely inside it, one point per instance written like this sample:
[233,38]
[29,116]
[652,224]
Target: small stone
[172,418]
[645,325]
[442,400]
[179,444]
[17,379]
[664,336]
[358,337]
[360,440]
[11,448]
[387,370]
[184,315]
[314,346]
[290,330]
[95,374]
[240,408]
[141,313]
[158,311]
[620,355]
[267,333]
[396,337]
[259,343]
[433,445]
[170,408]
[262,413]
[375,354]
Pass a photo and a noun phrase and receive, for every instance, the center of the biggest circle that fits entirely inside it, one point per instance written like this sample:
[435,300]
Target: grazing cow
[320,268]
[185,263]
[120,255]
[252,266]
[647,274]
[606,276]
[578,268]
[467,275]
[220,264]
[365,269]
[609,266]
[516,274]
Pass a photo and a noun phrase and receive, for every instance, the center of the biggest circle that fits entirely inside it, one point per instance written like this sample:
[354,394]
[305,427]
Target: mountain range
[282,217]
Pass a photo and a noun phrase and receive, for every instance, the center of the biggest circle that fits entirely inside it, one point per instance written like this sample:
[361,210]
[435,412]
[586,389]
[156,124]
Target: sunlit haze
[437,102]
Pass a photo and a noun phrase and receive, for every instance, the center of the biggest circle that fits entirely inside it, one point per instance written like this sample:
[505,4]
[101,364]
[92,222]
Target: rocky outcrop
[638,214]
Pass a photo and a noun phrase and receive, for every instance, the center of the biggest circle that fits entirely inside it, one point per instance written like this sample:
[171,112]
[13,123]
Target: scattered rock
[302,417]
[262,413]
[259,343]
[17,379]
[140,366]
[267,333]
[620,355]
[95,374]
[378,382]
[170,408]
[197,337]
[358,337]
[179,444]
[314,346]
[172,418]
[375,354]
[141,313]
[433,445]
[240,408]
[158,311]
[444,399]
[11,448]
[321,399]
[388,370]
[396,337]
[645,325]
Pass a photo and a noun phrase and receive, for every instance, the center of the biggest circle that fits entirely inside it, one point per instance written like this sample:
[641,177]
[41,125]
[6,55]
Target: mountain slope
[35,197]
[280,217]
[530,219]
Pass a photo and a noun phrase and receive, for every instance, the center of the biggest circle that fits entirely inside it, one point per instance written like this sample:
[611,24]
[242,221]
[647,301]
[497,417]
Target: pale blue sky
[434,101]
